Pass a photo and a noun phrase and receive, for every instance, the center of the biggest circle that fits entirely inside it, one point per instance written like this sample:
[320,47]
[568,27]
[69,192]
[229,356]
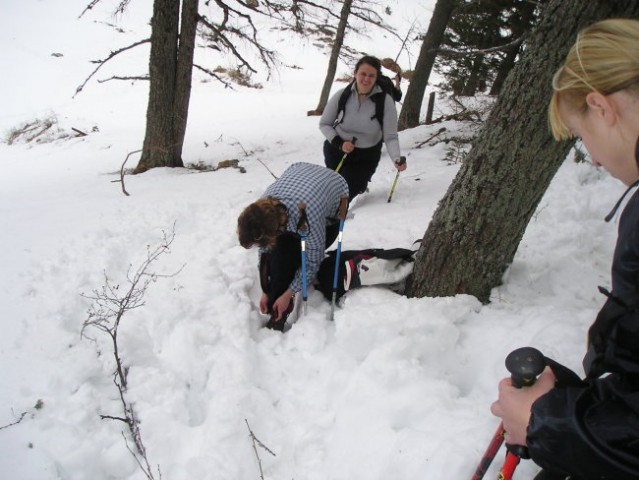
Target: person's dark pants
[278,266]
[358,167]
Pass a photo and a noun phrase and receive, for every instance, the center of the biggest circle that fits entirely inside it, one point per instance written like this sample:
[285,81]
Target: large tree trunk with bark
[474,233]
[412,105]
[184,73]
[332,61]
[170,70]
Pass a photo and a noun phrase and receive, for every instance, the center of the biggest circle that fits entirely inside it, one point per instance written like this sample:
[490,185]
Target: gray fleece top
[358,122]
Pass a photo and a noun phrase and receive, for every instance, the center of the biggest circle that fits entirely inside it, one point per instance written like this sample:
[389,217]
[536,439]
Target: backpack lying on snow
[358,268]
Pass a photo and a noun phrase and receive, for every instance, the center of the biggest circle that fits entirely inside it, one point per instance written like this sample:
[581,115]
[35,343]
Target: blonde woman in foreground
[590,429]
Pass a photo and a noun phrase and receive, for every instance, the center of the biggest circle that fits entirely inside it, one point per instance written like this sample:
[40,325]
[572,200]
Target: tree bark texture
[412,105]
[170,71]
[476,229]
[184,74]
[332,61]
[505,66]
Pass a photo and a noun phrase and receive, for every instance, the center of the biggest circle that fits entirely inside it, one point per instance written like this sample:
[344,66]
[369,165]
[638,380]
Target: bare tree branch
[89,7]
[117,77]
[122,171]
[257,443]
[22,415]
[109,57]
[498,48]
[214,75]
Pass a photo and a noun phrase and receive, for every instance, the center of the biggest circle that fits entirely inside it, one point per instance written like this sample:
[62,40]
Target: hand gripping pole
[341,162]
[524,365]
[402,161]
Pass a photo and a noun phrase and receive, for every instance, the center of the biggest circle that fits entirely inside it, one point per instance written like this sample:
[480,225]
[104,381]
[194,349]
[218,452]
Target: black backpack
[388,88]
[397,261]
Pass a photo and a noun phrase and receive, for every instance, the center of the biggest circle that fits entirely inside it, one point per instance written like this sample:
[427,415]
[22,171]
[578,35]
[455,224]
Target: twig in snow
[14,423]
[256,443]
[122,171]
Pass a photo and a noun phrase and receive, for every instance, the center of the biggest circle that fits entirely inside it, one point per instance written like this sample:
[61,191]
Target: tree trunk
[170,70]
[472,84]
[475,231]
[332,61]
[523,26]
[184,75]
[412,105]
[505,66]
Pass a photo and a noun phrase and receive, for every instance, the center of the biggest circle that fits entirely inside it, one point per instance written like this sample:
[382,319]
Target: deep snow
[394,388]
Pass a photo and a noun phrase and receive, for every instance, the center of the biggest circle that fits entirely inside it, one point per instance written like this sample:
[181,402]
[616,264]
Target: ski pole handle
[524,365]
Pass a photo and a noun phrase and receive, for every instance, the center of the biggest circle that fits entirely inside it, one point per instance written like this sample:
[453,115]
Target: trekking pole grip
[525,365]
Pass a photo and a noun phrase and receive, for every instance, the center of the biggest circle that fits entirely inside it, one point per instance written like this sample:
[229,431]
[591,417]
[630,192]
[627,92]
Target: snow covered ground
[394,388]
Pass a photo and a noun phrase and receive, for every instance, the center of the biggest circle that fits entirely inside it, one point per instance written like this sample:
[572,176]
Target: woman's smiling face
[365,77]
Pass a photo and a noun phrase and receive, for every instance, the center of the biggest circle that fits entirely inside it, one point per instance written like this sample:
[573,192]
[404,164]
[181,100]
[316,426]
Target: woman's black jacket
[590,430]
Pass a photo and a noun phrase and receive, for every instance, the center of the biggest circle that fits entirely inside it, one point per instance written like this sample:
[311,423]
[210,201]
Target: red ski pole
[524,365]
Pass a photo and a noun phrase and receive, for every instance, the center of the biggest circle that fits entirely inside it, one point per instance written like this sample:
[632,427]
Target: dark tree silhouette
[409,115]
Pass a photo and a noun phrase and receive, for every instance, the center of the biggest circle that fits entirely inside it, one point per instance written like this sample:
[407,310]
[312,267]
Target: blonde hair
[261,222]
[603,59]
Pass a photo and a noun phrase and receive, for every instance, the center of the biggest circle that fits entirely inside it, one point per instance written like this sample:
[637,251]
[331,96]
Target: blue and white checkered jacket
[320,189]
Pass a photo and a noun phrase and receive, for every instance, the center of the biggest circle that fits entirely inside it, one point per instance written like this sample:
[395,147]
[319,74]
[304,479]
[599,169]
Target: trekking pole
[302,229]
[402,161]
[343,206]
[524,365]
[341,162]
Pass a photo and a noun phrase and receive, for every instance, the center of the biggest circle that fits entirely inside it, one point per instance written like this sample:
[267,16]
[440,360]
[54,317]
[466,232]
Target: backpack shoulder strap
[380,100]
[341,103]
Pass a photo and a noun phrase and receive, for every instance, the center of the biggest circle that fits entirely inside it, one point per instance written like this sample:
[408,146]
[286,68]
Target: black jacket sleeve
[589,433]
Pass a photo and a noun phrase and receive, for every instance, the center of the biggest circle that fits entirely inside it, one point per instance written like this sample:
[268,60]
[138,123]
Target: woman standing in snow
[355,133]
[590,430]
[274,223]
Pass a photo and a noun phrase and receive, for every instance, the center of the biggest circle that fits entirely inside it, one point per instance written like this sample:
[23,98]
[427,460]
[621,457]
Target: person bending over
[306,196]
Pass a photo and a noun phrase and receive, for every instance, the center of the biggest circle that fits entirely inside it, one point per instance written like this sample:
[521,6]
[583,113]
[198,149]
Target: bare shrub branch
[109,305]
[122,171]
[256,443]
[38,406]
